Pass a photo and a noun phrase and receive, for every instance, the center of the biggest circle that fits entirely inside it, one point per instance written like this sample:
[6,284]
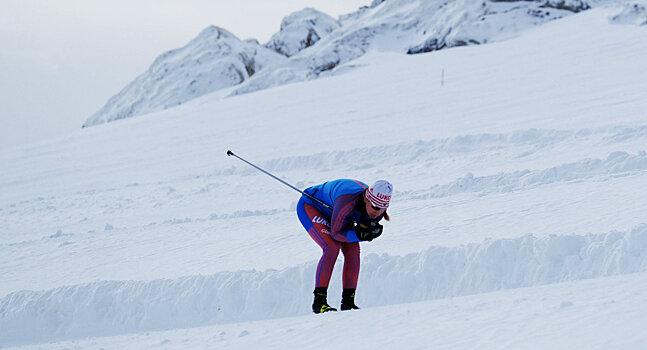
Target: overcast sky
[61,60]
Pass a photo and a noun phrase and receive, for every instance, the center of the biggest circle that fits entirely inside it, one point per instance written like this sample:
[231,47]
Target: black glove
[369,232]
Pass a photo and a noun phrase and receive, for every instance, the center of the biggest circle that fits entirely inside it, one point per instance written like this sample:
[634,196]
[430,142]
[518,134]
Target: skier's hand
[363,235]
[368,232]
[377,229]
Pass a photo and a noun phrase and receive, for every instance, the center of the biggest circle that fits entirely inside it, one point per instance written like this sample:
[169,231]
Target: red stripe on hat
[382,203]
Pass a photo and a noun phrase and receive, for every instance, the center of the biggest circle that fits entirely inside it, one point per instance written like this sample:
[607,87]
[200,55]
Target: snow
[518,218]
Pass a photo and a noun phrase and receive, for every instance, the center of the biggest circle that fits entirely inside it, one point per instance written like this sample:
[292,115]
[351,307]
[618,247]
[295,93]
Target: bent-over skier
[355,215]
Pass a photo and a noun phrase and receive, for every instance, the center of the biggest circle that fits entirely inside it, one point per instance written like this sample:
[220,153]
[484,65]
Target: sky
[61,60]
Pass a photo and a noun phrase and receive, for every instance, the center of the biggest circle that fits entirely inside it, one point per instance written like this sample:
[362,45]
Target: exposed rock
[569,5]
[301,30]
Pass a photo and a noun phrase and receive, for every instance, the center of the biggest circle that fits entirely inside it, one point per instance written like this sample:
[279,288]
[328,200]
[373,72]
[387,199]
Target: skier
[355,215]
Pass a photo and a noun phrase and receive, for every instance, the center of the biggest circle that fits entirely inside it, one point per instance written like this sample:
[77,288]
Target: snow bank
[442,272]
[115,307]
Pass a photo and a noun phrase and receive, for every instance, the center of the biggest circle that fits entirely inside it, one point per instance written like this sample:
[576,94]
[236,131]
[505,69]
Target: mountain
[214,60]
[412,27]
[312,44]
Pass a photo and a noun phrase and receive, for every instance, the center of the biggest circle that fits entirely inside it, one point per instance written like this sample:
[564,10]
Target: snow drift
[115,307]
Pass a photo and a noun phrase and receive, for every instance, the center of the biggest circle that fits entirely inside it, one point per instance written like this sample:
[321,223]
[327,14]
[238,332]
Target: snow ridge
[524,142]
[616,164]
[116,307]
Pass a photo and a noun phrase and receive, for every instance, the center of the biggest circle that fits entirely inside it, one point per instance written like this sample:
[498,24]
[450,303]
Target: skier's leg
[351,264]
[315,224]
[350,275]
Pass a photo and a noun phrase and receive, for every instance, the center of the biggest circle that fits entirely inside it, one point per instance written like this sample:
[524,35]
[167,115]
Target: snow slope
[524,168]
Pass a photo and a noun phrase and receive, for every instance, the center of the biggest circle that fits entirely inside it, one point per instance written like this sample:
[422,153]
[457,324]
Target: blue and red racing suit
[333,230]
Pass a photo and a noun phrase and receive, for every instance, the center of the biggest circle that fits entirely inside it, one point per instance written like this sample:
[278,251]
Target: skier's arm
[342,208]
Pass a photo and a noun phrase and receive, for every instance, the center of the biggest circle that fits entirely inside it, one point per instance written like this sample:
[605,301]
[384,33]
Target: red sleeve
[342,208]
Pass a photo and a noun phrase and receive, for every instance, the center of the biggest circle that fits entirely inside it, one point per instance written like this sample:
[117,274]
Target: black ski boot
[320,304]
[348,300]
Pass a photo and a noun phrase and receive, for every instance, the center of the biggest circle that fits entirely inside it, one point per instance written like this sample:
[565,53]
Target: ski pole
[230,153]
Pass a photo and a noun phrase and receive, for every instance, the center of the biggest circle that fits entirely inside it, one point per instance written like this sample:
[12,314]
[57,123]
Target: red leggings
[319,230]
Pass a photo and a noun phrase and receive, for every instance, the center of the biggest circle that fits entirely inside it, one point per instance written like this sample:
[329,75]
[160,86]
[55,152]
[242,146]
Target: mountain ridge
[311,44]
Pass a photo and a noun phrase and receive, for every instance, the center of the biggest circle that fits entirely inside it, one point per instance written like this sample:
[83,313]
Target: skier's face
[372,210]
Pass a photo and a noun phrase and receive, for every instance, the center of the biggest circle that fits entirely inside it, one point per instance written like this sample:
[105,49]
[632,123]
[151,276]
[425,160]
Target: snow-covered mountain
[214,60]
[316,44]
[518,217]
[413,26]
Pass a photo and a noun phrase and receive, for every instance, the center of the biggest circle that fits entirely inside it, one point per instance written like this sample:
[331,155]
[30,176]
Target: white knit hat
[380,193]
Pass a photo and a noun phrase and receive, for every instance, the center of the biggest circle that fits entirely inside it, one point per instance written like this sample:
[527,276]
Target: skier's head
[377,198]
[380,194]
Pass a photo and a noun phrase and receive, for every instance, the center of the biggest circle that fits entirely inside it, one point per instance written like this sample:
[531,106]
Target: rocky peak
[301,30]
